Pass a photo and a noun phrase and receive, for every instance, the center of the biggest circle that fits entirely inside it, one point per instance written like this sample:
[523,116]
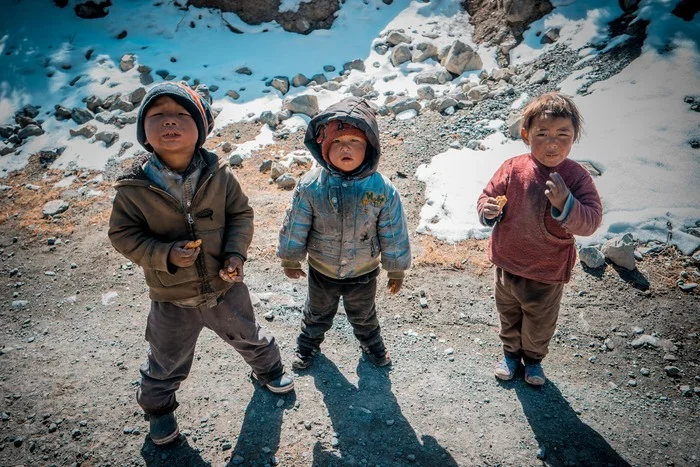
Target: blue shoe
[506,368]
[281,385]
[534,374]
[163,429]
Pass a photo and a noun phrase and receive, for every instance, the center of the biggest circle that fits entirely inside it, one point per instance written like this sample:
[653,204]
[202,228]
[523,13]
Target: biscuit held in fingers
[192,245]
[501,200]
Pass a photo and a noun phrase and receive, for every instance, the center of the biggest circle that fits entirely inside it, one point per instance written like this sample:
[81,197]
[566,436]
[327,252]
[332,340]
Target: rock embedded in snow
[269,118]
[319,78]
[54,207]
[108,137]
[426,92]
[127,62]
[424,51]
[244,70]
[620,250]
[29,131]
[137,95]
[356,64]
[92,103]
[5,148]
[400,54]
[460,58]
[81,116]
[232,94]
[281,83]
[62,113]
[591,257]
[395,38]
[86,131]
[306,104]
[299,80]
[550,36]
[402,104]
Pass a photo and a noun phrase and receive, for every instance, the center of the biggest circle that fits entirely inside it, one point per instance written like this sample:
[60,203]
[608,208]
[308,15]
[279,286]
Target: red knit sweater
[527,240]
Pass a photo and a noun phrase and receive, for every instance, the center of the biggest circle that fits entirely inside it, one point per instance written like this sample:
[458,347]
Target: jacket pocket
[181,276]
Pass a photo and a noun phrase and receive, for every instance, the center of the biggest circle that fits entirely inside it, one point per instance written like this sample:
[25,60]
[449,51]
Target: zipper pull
[189,219]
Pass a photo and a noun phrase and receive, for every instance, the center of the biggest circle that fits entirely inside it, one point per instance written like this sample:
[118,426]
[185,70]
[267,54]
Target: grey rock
[672,371]
[400,54]
[81,116]
[591,257]
[281,83]
[620,250]
[644,371]
[244,71]
[30,111]
[645,340]
[381,49]
[226,147]
[395,38]
[307,105]
[8,130]
[137,95]
[356,64]
[126,118]
[145,79]
[54,207]
[266,166]
[29,131]
[538,77]
[402,104]
[111,99]
[5,148]
[92,103]
[121,104]
[460,58]
[286,181]
[269,118]
[86,131]
[550,36]
[235,160]
[276,170]
[426,92]
[62,113]
[686,391]
[443,104]
[319,78]
[477,93]
[424,51]
[237,460]
[107,117]
[20,304]
[331,85]
[687,286]
[232,94]
[127,62]
[425,78]
[513,123]
[299,80]
[108,137]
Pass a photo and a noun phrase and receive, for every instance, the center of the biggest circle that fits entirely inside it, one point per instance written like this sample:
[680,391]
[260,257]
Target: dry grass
[469,254]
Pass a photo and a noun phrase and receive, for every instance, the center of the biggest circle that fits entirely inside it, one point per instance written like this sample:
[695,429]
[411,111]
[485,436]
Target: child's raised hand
[394,285]
[182,257]
[232,270]
[491,208]
[294,273]
[557,192]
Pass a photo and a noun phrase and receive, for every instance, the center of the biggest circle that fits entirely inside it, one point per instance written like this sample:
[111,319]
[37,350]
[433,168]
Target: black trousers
[322,305]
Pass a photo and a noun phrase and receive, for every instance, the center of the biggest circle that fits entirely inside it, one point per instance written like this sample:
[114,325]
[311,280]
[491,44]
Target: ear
[523,135]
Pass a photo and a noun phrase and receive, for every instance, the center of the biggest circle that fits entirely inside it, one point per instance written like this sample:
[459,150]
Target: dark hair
[553,105]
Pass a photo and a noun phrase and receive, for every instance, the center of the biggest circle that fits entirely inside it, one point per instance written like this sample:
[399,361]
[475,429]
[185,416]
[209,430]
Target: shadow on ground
[563,438]
[259,437]
[368,422]
[177,454]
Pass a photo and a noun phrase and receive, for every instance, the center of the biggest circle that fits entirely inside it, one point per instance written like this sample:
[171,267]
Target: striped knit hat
[335,128]
[181,93]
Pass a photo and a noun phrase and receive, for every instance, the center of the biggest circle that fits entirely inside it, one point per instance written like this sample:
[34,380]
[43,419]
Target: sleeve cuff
[561,216]
[288,264]
[396,274]
[159,257]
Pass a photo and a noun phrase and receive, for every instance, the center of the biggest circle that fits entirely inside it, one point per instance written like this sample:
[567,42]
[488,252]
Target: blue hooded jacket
[346,223]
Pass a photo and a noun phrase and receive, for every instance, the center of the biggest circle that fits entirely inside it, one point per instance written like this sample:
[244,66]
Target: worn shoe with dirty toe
[506,368]
[303,358]
[281,385]
[534,374]
[163,429]
[377,354]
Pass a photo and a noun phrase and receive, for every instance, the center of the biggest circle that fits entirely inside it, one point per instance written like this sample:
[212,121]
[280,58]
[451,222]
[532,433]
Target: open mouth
[170,134]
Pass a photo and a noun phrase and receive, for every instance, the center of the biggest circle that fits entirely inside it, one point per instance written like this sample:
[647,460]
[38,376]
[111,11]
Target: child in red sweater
[549,199]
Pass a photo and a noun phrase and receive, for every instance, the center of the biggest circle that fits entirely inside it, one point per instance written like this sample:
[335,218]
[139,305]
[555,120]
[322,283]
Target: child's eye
[185,114]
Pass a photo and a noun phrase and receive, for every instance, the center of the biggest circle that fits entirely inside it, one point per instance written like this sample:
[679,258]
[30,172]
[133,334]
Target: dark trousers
[528,311]
[172,333]
[322,305]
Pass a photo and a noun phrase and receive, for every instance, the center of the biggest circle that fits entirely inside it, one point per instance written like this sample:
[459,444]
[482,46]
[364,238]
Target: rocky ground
[623,368]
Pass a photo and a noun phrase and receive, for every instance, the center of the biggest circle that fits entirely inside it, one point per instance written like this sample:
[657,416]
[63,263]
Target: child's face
[550,139]
[170,129]
[347,152]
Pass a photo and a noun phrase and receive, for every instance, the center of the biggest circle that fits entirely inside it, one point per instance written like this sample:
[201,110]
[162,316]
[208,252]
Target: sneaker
[534,374]
[164,429]
[506,368]
[377,354]
[281,385]
[303,357]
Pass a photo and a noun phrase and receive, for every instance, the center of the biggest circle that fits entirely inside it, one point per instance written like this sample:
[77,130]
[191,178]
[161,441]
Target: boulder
[319,78]
[356,64]
[269,118]
[395,38]
[306,104]
[30,130]
[426,92]
[286,181]
[460,58]
[591,257]
[81,116]
[5,148]
[235,160]
[299,80]
[127,62]
[54,207]
[424,51]
[62,113]
[402,104]
[107,137]
[281,83]
[620,250]
[86,131]
[400,54]
[137,95]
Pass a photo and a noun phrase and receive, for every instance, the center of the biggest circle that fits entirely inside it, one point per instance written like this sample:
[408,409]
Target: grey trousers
[172,333]
[528,311]
[322,305]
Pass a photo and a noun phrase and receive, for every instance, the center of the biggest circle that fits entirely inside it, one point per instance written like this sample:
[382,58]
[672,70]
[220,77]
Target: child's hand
[182,257]
[232,270]
[491,208]
[557,192]
[293,273]
[394,285]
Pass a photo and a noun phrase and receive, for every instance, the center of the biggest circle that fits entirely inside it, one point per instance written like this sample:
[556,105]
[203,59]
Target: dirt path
[69,356]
